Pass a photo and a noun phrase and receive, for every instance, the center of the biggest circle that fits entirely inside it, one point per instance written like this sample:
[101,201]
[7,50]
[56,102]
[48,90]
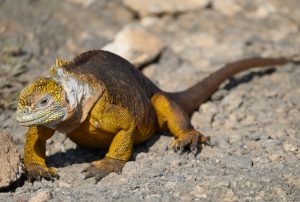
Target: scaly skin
[101,100]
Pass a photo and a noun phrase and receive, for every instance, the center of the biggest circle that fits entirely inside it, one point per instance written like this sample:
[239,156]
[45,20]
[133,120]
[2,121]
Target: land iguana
[100,100]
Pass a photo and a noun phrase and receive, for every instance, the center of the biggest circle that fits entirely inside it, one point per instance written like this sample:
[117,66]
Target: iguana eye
[44,102]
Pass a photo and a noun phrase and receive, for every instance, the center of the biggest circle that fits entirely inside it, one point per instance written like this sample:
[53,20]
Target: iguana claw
[38,172]
[191,139]
[101,168]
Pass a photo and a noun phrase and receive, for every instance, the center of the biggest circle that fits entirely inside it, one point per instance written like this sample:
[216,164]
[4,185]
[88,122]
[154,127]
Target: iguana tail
[190,99]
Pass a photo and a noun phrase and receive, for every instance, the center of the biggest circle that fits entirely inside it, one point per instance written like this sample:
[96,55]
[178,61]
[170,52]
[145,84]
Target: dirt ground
[253,119]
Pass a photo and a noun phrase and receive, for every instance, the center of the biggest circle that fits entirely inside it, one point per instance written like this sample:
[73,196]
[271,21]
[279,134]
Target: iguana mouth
[29,120]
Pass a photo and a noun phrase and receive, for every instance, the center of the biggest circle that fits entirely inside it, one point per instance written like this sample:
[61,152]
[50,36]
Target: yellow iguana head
[63,97]
[41,103]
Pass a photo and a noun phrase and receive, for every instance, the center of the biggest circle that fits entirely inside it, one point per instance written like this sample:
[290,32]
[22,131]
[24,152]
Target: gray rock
[232,102]
[136,45]
[157,7]
[290,147]
[256,136]
[205,116]
[11,168]
[228,7]
[41,196]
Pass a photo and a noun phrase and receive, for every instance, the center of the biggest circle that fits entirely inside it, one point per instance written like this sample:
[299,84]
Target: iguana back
[126,85]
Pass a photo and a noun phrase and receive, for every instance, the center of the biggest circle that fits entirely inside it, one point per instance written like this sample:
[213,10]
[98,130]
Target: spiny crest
[38,88]
[59,62]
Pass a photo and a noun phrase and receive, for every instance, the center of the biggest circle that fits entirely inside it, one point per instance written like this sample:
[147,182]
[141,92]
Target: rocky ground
[253,119]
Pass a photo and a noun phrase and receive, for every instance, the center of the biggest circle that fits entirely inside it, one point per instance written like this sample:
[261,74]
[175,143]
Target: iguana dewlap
[100,100]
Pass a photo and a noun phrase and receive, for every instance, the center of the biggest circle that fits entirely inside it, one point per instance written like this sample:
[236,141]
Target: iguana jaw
[49,116]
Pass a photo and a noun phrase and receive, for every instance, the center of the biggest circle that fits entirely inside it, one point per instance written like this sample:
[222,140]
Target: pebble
[158,7]
[227,7]
[231,102]
[289,146]
[42,196]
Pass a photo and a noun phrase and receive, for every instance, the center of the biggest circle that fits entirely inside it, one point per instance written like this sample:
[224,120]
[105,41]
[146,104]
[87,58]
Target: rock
[231,102]
[158,7]
[265,9]
[275,157]
[11,168]
[84,3]
[229,196]
[204,118]
[42,196]
[256,136]
[271,144]
[136,45]
[290,146]
[199,192]
[228,7]
[276,131]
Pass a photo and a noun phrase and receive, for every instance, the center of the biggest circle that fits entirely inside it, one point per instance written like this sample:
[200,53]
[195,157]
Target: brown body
[124,108]
[124,88]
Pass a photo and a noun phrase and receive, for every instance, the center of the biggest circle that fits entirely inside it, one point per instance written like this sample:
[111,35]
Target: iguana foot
[37,172]
[101,168]
[191,138]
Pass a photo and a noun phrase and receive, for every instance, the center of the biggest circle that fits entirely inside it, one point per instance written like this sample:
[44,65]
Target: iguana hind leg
[170,115]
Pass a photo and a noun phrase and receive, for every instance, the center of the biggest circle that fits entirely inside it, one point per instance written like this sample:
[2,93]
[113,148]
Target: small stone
[149,21]
[229,196]
[84,3]
[257,136]
[158,7]
[42,196]
[64,184]
[289,146]
[265,9]
[220,141]
[231,102]
[233,138]
[227,7]
[136,45]
[204,118]
[11,168]
[200,192]
[271,144]
[275,157]
[276,131]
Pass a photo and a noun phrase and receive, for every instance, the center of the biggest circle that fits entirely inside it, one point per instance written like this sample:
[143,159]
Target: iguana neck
[80,97]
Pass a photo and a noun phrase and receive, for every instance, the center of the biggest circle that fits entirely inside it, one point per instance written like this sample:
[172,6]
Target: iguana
[100,100]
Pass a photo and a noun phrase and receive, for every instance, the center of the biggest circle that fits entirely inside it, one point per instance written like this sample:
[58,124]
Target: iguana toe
[38,172]
[191,139]
[101,168]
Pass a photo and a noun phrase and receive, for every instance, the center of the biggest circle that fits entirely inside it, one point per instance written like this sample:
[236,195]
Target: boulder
[136,45]
[11,168]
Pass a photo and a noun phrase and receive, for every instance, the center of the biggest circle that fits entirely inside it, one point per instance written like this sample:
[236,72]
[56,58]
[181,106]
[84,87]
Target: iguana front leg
[35,153]
[119,153]
[121,147]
